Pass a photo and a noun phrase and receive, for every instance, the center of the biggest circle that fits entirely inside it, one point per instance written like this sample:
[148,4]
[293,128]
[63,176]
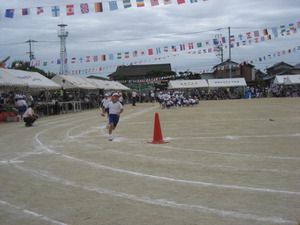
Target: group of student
[176,99]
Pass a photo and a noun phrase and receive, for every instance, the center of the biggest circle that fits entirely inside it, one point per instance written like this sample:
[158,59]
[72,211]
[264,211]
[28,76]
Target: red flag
[150,51]
[180,1]
[70,10]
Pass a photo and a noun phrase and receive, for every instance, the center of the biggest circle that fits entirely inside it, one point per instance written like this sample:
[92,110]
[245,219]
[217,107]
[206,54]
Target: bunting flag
[154,2]
[150,51]
[127,4]
[84,7]
[55,11]
[167,2]
[126,55]
[180,1]
[119,56]
[70,10]
[39,10]
[98,7]
[73,60]
[9,13]
[111,56]
[193,1]
[113,5]
[135,53]
[103,57]
[140,3]
[26,11]
[166,49]
[265,32]
[256,33]
[95,58]
[232,39]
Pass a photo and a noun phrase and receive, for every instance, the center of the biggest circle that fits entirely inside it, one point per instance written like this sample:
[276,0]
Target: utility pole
[220,52]
[63,34]
[31,55]
[230,72]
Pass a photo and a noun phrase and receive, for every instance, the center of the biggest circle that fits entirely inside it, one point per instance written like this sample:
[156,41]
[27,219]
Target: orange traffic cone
[157,135]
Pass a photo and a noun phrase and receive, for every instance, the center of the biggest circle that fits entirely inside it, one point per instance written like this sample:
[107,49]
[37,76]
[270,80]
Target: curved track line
[159,202]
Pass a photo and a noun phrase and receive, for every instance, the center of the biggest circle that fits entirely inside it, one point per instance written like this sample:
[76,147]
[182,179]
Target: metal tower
[63,34]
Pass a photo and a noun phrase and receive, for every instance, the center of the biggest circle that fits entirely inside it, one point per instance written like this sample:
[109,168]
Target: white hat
[116,94]
[106,95]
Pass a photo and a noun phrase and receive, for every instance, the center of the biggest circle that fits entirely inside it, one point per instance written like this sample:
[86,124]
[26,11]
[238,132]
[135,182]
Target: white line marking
[160,202]
[34,214]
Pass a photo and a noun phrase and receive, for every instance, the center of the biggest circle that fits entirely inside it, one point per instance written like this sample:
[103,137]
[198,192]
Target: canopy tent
[107,84]
[280,79]
[292,79]
[21,78]
[182,84]
[233,82]
[72,82]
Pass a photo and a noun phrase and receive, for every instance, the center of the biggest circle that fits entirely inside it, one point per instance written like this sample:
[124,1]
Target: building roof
[139,70]
[228,62]
[278,64]
[97,77]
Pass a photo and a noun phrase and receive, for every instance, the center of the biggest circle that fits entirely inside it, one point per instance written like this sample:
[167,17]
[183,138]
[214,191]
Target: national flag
[73,60]
[240,36]
[158,51]
[88,58]
[275,32]
[70,10]
[111,56]
[167,2]
[166,49]
[95,58]
[103,57]
[135,53]
[199,45]
[127,4]
[256,33]
[282,29]
[265,31]
[25,11]
[84,7]
[174,49]
[154,2]
[237,44]
[262,38]
[216,41]
[126,55]
[292,27]
[207,42]
[232,39]
[223,40]
[142,53]
[180,1]
[193,1]
[191,45]
[39,10]
[45,63]
[150,51]
[37,63]
[210,50]
[140,3]
[244,43]
[182,47]
[58,61]
[119,56]
[288,32]
[298,24]
[9,13]
[55,11]
[113,5]
[248,34]
[256,40]
[98,7]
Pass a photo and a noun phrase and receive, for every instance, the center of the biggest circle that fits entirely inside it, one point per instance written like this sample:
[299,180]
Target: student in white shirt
[30,116]
[115,109]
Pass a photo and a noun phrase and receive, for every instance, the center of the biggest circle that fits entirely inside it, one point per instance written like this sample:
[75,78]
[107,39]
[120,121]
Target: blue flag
[9,13]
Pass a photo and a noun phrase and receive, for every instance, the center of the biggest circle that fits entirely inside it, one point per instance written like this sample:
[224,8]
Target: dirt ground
[226,163]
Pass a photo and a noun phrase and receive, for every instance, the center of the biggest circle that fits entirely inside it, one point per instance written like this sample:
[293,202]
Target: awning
[292,79]
[183,84]
[233,82]
[21,78]
[72,82]
[280,79]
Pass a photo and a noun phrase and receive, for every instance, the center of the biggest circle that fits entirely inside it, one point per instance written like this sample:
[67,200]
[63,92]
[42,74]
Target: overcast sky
[140,29]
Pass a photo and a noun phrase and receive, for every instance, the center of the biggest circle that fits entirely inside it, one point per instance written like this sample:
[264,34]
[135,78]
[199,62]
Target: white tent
[72,82]
[292,79]
[107,84]
[183,84]
[233,82]
[20,78]
[280,79]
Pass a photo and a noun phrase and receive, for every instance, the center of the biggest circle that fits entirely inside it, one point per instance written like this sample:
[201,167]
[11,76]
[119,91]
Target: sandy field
[231,162]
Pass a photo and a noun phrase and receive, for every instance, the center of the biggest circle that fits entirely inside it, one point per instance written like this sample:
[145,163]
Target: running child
[115,109]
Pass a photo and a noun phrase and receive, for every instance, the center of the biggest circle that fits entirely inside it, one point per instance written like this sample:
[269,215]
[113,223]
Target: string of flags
[221,67]
[85,8]
[198,47]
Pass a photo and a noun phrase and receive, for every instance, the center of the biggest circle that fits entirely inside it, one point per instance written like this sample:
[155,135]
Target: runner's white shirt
[114,107]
